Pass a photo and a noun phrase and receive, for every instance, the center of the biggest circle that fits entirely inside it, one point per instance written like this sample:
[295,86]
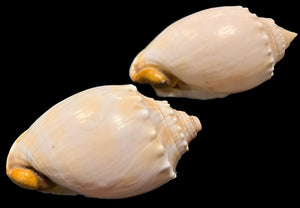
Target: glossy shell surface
[211,54]
[104,142]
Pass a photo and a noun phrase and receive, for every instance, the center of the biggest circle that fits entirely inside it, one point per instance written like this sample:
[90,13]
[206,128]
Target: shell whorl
[183,127]
[279,38]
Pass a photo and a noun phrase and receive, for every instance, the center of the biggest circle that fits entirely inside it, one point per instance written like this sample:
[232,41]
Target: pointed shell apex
[191,123]
[288,36]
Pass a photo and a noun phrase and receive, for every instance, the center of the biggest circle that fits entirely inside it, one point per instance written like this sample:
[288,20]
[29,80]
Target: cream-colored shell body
[212,53]
[105,142]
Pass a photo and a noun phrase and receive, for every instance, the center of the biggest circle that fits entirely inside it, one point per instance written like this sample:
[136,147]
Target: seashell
[104,142]
[211,54]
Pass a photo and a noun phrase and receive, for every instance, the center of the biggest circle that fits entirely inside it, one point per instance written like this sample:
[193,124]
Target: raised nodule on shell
[105,142]
[211,54]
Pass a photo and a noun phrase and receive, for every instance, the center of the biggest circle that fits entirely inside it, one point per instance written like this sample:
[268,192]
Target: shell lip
[149,75]
[28,178]
[158,78]
[25,176]
[22,173]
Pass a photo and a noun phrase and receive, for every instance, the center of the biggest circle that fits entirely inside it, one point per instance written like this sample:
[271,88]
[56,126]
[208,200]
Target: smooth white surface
[106,142]
[216,52]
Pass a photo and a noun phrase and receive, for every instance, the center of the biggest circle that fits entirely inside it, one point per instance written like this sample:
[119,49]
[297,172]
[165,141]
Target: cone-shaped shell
[212,53]
[105,142]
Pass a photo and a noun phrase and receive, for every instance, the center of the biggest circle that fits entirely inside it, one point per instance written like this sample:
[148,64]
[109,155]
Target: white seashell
[211,54]
[105,142]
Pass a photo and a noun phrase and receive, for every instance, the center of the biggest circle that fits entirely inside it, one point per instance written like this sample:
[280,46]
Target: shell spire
[280,38]
[192,124]
[288,36]
[182,126]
